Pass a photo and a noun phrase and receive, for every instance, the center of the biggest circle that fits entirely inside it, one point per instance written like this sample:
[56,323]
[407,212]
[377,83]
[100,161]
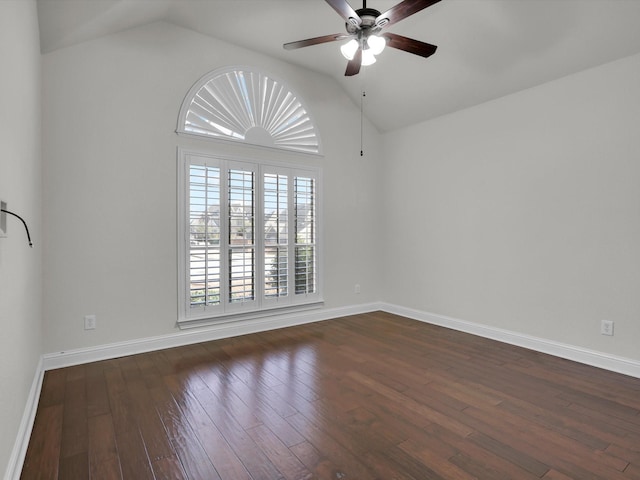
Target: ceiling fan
[364,27]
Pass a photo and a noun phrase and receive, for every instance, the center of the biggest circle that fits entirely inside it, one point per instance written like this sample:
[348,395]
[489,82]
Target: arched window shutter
[245,105]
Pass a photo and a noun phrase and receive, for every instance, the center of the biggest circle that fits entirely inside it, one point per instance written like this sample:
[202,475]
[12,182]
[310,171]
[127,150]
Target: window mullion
[224,235]
[291,236]
[258,232]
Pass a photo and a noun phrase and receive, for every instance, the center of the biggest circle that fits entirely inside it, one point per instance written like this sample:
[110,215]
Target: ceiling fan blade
[402,11]
[409,45]
[315,41]
[345,11]
[353,67]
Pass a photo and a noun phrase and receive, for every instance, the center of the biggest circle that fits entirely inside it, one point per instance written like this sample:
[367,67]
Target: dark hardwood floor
[371,396]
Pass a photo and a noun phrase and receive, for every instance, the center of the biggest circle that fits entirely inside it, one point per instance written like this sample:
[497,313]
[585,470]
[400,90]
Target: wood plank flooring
[372,396]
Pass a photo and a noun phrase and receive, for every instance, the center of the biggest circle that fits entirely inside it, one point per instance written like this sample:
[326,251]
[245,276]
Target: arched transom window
[245,105]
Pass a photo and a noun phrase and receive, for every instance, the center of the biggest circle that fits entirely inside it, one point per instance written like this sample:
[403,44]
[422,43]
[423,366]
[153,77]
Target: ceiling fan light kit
[349,49]
[368,58]
[376,44]
[363,31]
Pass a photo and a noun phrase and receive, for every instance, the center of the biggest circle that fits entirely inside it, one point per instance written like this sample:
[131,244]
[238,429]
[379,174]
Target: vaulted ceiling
[487,48]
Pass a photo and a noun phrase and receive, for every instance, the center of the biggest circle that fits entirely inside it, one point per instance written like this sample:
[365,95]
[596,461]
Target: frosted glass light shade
[368,58]
[349,49]
[376,44]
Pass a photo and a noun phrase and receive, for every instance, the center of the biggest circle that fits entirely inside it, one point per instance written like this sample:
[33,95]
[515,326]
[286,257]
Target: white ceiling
[487,48]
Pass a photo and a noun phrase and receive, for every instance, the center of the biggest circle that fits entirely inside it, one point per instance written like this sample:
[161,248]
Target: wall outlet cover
[90,322]
[606,327]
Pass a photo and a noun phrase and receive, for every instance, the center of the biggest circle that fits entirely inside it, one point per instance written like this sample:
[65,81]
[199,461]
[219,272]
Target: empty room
[320,239]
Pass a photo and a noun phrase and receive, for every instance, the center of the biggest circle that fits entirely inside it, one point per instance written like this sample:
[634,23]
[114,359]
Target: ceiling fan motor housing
[368,19]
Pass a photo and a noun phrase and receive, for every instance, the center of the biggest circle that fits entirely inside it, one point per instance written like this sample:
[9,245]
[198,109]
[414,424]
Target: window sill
[188,323]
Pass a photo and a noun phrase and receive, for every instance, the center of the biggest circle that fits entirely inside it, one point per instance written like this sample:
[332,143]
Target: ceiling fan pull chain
[364,94]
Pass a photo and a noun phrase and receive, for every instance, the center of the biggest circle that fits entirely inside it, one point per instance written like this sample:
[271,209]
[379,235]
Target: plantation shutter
[241,246]
[305,235]
[204,248]
[276,235]
[251,240]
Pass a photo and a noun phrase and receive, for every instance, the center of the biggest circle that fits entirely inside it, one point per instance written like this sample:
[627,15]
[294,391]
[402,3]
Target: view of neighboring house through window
[248,227]
[276,235]
[204,235]
[251,236]
[305,250]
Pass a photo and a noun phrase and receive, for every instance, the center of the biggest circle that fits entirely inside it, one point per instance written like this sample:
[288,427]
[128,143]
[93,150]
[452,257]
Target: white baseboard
[103,352]
[186,337]
[594,358]
[50,361]
[191,336]
[14,467]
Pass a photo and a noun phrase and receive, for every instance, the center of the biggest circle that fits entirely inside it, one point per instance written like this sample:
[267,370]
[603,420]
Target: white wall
[524,213]
[20,185]
[109,114]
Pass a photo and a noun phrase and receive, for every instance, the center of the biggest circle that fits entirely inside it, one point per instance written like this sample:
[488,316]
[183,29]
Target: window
[248,229]
[250,237]
[241,104]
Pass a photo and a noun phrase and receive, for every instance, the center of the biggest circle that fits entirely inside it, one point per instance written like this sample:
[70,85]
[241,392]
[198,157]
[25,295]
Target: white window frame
[260,306]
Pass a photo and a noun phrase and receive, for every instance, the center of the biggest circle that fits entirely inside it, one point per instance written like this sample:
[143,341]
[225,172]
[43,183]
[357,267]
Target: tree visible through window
[276,235]
[305,250]
[251,236]
[249,228]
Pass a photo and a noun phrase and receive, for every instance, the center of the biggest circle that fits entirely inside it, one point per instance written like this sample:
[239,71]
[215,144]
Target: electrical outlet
[356,288]
[90,322]
[3,219]
[606,327]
